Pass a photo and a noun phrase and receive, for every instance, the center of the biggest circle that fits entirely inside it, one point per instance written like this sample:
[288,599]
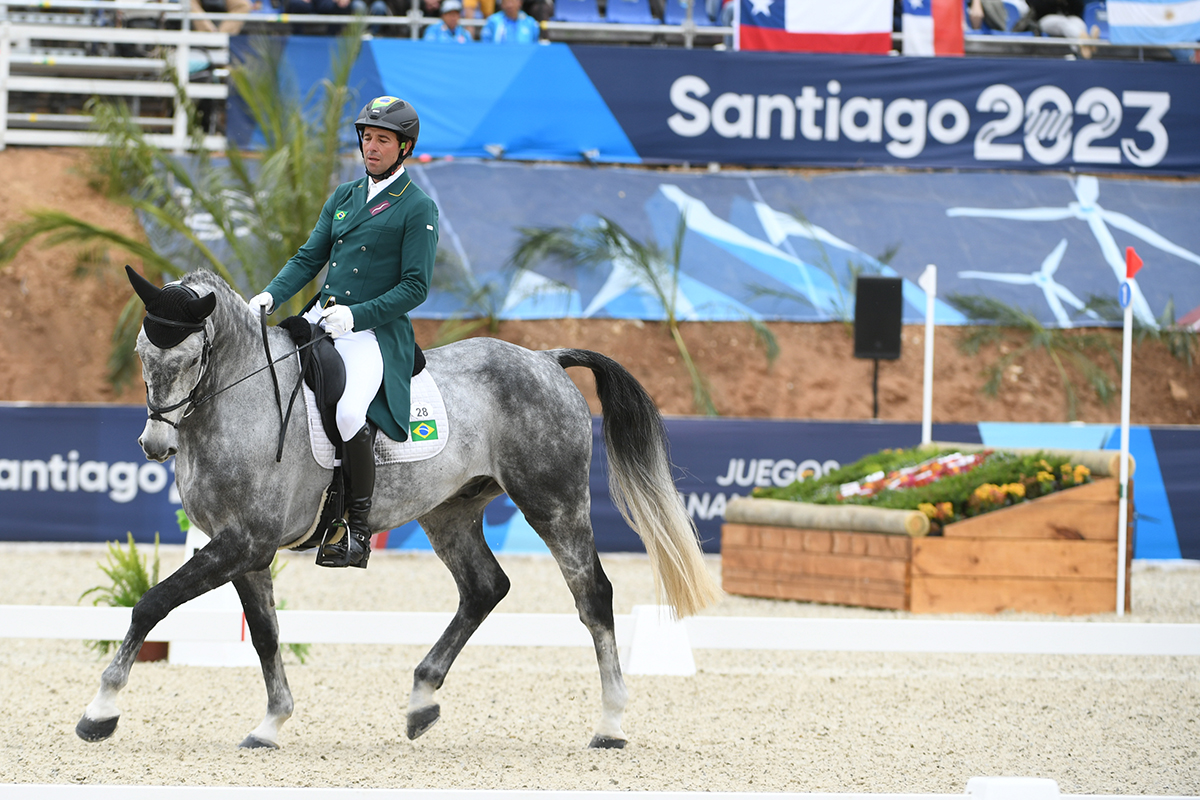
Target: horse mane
[231,310]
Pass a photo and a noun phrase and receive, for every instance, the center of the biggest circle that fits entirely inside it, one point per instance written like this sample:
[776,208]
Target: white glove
[261,300]
[337,320]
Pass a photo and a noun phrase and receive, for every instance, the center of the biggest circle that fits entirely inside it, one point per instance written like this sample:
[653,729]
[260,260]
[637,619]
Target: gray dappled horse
[519,425]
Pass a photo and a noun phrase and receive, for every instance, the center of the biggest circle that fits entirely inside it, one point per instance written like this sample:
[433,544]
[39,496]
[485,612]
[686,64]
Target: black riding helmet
[393,114]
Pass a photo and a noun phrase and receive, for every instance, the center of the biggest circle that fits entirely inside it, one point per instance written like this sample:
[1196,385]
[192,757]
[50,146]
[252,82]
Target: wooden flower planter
[1053,555]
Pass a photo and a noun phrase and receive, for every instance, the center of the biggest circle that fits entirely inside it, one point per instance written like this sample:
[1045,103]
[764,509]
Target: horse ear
[202,306]
[144,288]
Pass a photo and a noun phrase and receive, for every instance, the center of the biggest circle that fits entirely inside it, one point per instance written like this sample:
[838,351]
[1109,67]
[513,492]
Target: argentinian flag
[1154,22]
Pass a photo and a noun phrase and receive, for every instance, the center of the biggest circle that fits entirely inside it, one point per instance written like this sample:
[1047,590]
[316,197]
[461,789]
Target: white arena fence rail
[651,641]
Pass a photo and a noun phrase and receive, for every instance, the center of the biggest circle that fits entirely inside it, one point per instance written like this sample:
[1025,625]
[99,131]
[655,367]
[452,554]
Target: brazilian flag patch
[423,431]
[339,215]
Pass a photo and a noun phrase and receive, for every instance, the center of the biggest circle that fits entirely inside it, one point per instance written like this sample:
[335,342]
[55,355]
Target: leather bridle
[156,412]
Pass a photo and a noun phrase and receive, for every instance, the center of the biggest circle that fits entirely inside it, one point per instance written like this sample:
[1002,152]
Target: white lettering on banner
[769,472]
[122,480]
[1046,118]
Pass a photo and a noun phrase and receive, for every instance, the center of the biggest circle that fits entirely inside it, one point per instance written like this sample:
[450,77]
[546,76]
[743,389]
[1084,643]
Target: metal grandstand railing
[56,54]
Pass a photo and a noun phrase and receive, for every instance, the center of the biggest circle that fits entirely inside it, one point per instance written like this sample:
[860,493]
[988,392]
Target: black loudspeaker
[878,307]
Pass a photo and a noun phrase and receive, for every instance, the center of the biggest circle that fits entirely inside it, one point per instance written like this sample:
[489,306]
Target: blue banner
[631,105]
[77,474]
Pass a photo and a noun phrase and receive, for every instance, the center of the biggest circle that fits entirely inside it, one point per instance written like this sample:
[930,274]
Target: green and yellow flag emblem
[423,431]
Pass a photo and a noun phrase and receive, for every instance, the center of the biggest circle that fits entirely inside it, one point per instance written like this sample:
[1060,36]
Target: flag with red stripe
[933,27]
[816,26]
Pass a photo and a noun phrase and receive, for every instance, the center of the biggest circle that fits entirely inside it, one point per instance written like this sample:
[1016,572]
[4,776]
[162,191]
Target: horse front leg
[216,564]
[258,600]
[456,534]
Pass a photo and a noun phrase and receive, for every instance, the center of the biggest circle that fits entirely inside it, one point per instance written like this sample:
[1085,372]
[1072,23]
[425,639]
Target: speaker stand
[875,390]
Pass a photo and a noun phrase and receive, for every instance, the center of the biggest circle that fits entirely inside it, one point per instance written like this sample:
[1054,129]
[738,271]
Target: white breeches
[364,374]
[1064,26]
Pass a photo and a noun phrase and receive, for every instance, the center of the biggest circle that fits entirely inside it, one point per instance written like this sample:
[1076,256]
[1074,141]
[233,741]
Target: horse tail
[639,480]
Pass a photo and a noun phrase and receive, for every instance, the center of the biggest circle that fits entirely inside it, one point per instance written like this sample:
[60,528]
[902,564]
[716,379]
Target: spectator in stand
[1059,18]
[448,30]
[231,26]
[993,13]
[429,8]
[478,9]
[541,10]
[511,25]
[377,8]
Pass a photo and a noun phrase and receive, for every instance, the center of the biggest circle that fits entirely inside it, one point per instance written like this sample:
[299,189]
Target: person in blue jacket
[510,25]
[448,30]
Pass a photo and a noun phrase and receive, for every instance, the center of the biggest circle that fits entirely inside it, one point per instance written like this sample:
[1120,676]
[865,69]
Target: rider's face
[381,148]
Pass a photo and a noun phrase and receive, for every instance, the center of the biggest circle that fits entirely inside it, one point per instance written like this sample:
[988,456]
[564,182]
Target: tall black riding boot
[358,467]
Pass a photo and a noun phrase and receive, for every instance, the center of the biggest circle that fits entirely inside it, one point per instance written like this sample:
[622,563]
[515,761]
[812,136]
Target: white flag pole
[928,282]
[1123,484]
[1132,265]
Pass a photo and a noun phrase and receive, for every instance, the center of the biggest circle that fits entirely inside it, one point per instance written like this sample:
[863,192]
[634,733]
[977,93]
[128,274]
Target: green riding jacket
[380,258]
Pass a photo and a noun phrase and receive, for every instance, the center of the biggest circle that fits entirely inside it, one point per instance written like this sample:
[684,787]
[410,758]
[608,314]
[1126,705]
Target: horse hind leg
[567,531]
[258,600]
[594,600]
[455,531]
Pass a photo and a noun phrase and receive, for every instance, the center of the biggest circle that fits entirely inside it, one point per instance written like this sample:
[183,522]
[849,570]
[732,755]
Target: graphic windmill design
[1054,292]
[1098,219]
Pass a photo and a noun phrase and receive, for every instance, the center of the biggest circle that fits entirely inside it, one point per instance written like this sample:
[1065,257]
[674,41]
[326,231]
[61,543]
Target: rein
[156,412]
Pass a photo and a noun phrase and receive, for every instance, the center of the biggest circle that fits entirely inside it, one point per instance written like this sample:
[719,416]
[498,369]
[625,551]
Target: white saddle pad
[428,427]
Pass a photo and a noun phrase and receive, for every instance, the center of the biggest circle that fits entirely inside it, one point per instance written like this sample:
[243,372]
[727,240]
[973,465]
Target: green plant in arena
[129,580]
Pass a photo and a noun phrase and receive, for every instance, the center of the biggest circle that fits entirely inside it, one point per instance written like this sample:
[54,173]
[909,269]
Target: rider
[379,235]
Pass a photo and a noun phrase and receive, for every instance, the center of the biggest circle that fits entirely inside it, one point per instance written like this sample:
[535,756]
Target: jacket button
[356,272]
[339,241]
[347,293]
[327,286]
[364,247]
[334,264]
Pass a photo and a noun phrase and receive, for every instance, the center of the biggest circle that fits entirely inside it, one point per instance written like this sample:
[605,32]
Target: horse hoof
[422,720]
[252,742]
[606,743]
[96,730]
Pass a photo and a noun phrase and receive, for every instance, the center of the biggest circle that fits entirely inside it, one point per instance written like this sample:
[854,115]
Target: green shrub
[1001,479]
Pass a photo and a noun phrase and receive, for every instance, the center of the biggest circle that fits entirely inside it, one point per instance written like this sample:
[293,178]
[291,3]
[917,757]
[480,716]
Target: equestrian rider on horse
[379,236]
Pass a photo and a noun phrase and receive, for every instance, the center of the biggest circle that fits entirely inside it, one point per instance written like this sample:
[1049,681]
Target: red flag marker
[1132,262]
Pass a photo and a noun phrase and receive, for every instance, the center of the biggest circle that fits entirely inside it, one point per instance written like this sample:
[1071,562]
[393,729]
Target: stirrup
[336,552]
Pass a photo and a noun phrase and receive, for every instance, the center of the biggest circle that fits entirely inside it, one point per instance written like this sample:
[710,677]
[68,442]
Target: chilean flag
[816,26]
[933,27]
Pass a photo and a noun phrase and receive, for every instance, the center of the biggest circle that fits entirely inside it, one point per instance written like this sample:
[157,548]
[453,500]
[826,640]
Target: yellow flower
[928,509]
[1045,465]
[1081,472]
[1045,477]
[945,510]
[1015,489]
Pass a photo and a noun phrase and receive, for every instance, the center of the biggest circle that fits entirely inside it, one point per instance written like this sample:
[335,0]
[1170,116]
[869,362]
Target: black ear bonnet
[173,312]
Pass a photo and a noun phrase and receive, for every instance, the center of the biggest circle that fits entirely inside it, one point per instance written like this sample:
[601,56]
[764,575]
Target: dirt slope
[56,321]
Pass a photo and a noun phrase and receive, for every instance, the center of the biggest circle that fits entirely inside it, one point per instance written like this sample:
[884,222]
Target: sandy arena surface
[515,718]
